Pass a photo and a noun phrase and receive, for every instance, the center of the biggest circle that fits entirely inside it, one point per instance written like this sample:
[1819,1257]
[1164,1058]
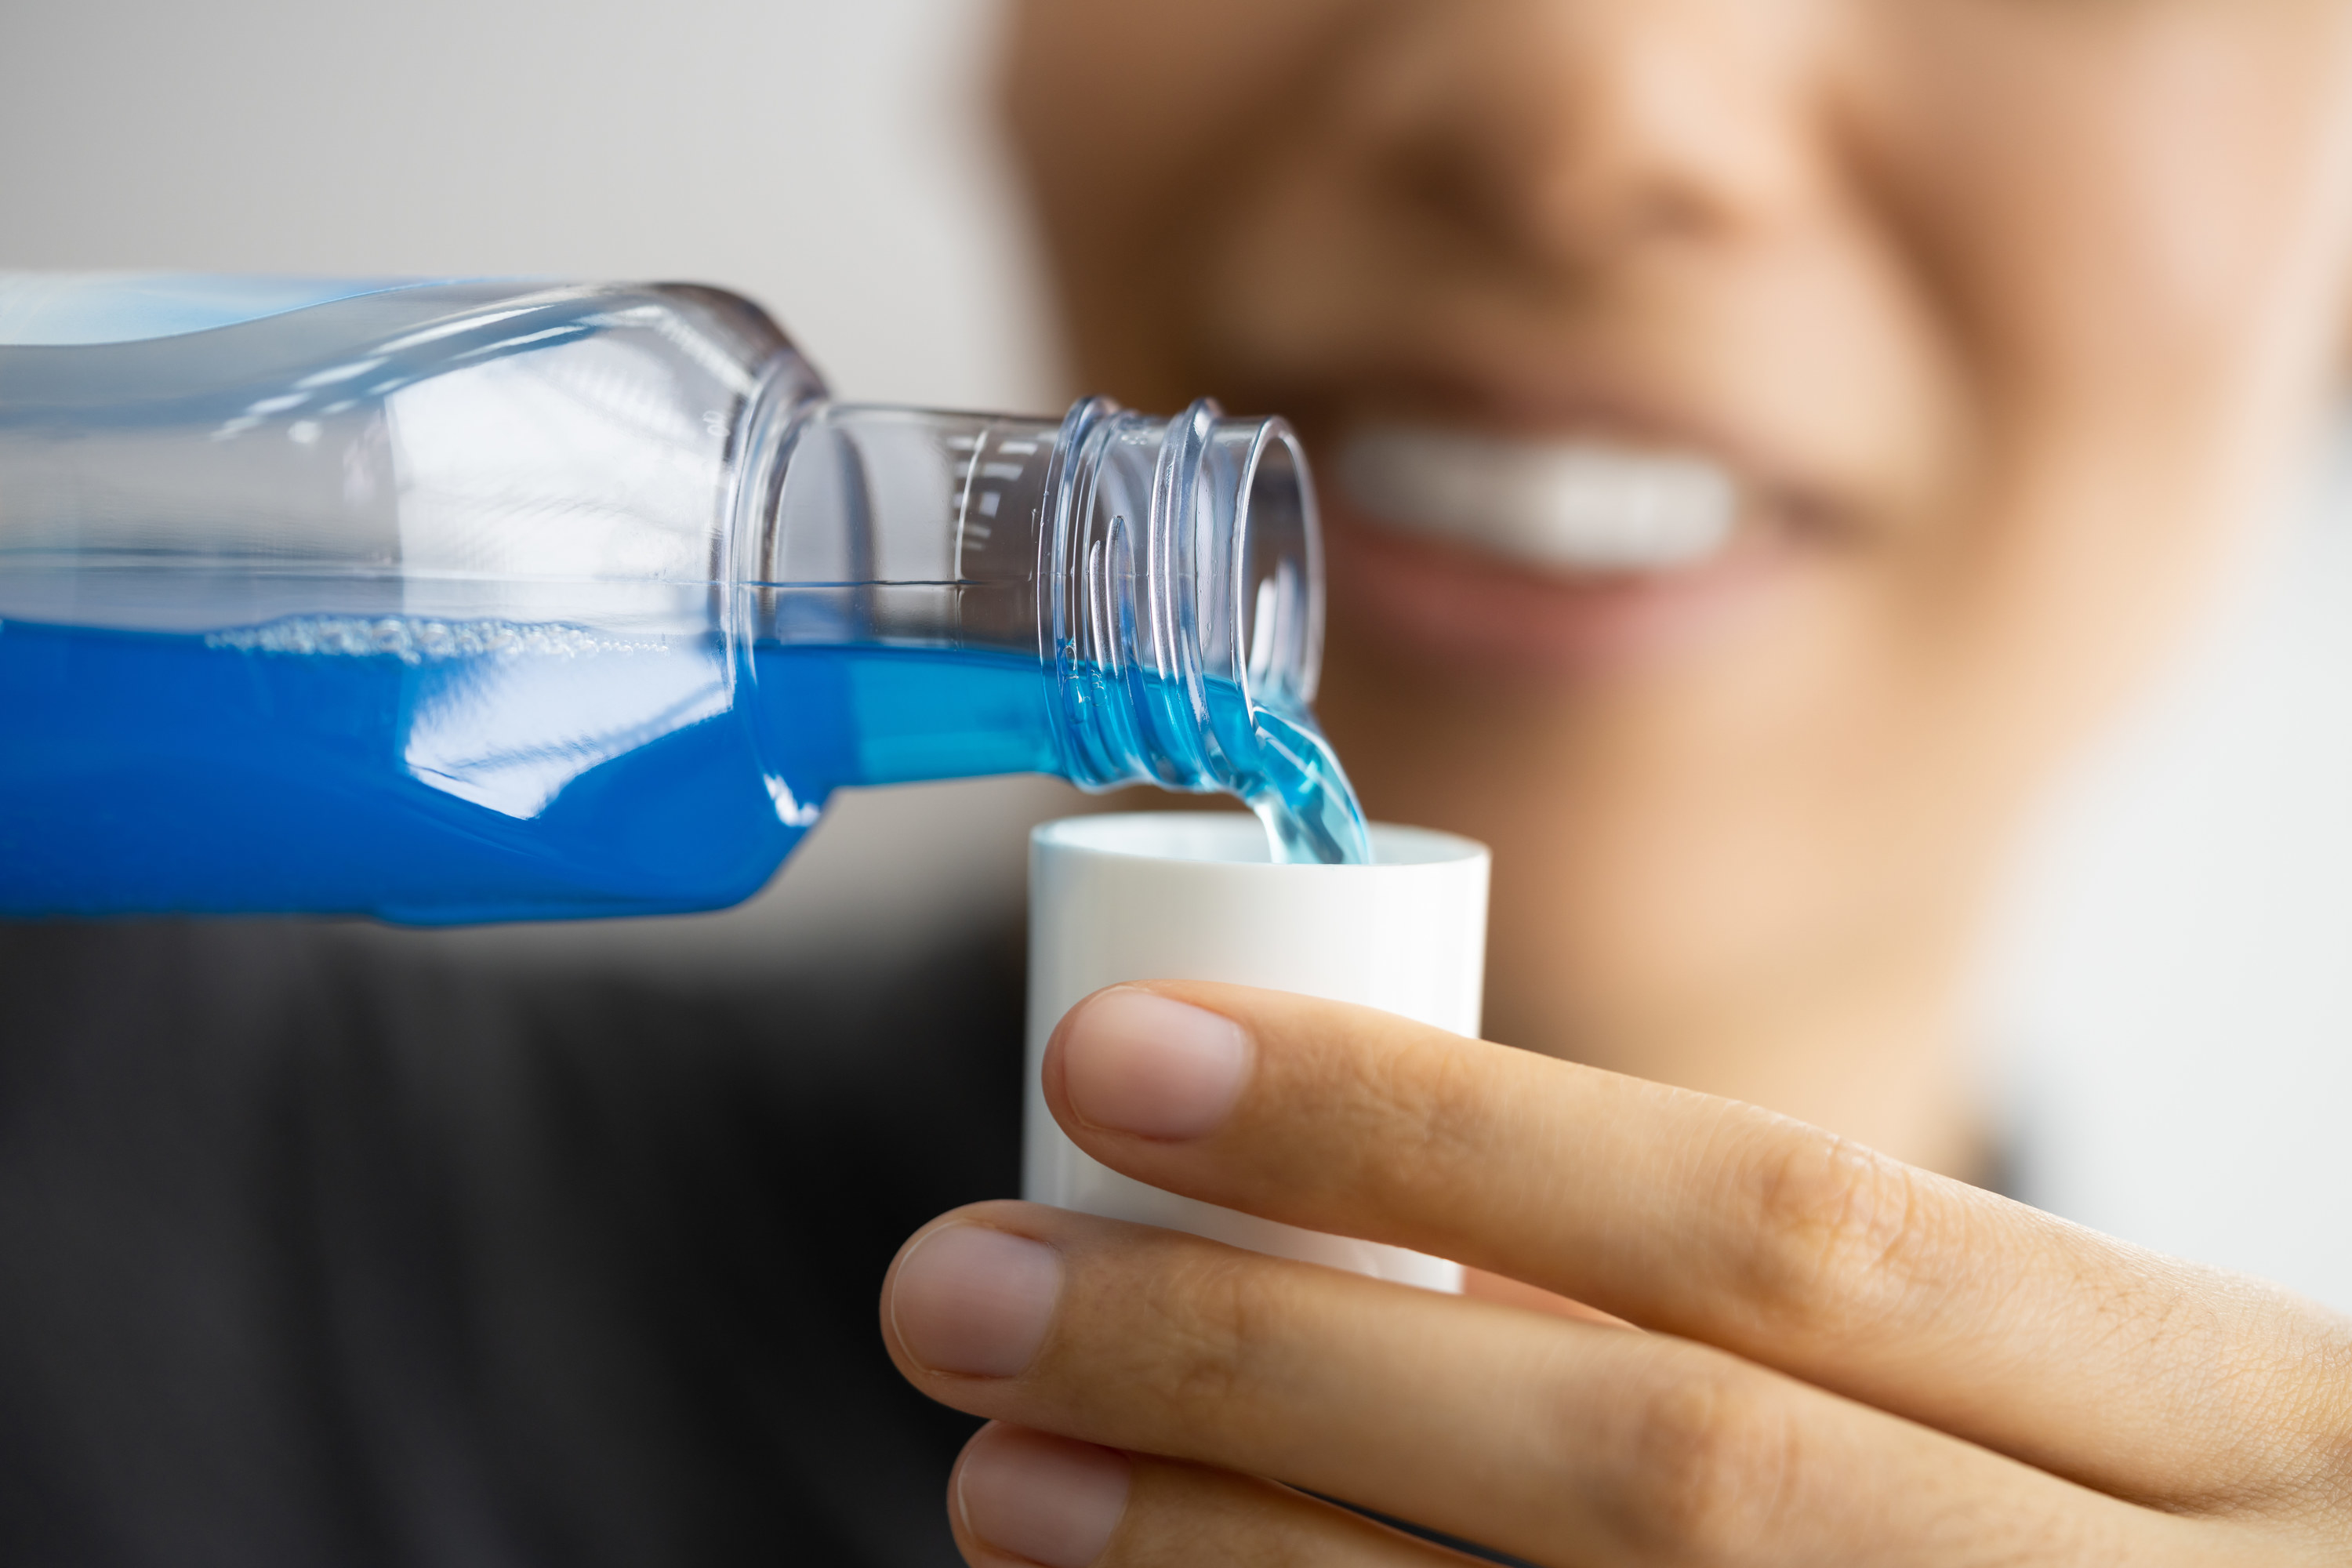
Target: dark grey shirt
[318,1250]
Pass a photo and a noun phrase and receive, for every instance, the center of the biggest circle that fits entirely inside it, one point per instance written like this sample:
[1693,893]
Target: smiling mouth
[1579,507]
[1536,556]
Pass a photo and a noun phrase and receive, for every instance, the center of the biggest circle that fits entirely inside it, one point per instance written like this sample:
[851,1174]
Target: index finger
[1712,1220]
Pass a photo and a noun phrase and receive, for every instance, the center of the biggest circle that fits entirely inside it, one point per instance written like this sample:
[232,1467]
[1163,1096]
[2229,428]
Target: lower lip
[1459,606]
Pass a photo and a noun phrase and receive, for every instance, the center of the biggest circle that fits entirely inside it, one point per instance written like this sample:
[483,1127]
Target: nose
[1573,129]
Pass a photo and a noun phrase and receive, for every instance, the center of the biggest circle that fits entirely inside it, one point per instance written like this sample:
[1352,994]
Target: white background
[2172,991]
[2173,995]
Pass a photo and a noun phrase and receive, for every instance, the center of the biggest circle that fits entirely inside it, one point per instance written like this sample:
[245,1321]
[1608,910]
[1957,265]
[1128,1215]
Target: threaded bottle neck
[1165,574]
[1181,599]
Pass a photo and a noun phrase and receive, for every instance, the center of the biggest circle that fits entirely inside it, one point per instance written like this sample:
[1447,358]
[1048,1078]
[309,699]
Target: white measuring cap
[1194,895]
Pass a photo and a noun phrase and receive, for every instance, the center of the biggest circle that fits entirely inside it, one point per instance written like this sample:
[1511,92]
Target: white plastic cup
[1194,895]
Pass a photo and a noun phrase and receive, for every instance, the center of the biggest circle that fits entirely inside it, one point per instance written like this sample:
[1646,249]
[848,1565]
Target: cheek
[2130,220]
[1124,117]
[2135,215]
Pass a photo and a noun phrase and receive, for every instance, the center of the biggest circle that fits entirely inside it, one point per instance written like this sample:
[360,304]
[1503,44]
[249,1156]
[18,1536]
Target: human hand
[1846,1359]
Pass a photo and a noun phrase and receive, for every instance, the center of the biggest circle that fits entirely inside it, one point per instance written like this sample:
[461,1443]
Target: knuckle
[1218,1328]
[1710,1464]
[1423,1129]
[1836,1236]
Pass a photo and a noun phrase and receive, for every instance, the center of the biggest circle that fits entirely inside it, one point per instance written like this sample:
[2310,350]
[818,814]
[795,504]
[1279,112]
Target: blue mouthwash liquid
[498,599]
[432,773]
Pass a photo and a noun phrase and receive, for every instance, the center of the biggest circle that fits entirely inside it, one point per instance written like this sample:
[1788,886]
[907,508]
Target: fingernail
[973,1300]
[1051,1500]
[1136,1062]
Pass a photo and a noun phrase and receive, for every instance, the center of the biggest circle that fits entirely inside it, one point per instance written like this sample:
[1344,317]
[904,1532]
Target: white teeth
[1574,506]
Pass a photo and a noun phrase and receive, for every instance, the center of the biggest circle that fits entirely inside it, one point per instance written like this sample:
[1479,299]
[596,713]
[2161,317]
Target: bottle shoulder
[440,449]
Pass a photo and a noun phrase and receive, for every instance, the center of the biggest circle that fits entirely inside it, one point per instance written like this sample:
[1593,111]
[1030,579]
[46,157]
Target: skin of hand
[1819,1355]
[2001,312]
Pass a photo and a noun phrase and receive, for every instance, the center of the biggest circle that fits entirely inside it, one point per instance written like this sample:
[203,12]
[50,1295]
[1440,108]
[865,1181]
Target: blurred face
[1753,434]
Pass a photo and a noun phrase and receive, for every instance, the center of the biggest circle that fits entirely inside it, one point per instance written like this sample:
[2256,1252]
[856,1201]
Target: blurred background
[2174,961]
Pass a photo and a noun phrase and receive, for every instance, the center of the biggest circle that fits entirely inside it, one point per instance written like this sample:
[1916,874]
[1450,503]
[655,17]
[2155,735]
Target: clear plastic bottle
[506,600]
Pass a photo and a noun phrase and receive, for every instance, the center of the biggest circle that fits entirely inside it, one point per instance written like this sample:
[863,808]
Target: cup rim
[1234,838]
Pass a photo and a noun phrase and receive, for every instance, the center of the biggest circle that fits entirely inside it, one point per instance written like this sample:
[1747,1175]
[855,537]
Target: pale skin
[1846,1359]
[2005,313]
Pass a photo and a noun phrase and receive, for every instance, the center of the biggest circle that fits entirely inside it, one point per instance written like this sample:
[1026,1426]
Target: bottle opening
[1278,614]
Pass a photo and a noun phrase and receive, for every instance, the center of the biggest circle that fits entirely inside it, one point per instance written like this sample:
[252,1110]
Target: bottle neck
[1164,574]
